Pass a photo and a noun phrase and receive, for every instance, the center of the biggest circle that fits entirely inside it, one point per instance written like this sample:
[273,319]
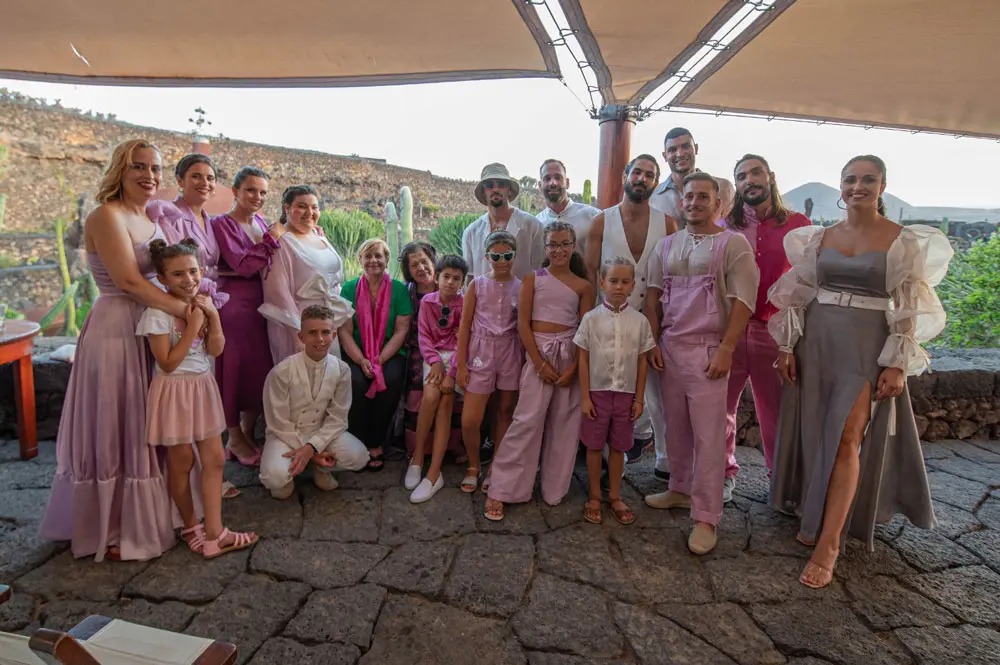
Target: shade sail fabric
[272,42]
[915,64]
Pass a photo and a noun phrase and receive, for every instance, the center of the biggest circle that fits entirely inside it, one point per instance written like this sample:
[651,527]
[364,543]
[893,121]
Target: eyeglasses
[495,257]
[445,313]
[565,244]
[494,184]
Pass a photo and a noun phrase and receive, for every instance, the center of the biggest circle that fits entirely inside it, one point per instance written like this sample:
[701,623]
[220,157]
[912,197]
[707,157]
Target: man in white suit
[306,400]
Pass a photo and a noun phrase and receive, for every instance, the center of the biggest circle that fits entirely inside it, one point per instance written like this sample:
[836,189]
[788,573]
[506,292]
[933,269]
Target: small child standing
[437,336]
[184,406]
[489,350]
[613,340]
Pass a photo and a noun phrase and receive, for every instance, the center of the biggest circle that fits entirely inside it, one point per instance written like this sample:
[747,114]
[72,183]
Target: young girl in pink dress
[489,351]
[546,426]
[184,406]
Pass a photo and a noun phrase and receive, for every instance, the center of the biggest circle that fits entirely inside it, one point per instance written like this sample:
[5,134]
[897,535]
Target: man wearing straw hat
[496,190]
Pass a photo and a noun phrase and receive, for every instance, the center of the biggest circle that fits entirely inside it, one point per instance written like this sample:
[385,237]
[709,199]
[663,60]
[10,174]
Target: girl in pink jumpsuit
[547,418]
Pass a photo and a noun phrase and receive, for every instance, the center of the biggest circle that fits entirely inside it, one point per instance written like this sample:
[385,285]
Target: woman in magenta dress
[246,245]
[109,496]
[185,217]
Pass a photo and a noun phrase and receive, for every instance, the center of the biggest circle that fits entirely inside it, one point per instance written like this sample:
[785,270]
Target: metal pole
[616,135]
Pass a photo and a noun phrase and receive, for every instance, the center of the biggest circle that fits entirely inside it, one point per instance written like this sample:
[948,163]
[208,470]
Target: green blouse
[398,306]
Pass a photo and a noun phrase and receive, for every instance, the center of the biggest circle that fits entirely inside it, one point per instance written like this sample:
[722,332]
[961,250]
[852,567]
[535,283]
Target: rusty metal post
[616,136]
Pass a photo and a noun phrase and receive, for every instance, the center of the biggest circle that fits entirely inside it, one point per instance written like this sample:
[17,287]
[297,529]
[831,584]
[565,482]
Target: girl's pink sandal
[214,548]
[194,537]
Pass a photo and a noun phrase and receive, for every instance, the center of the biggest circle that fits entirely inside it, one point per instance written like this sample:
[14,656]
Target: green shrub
[970,294]
[8,260]
[346,230]
[446,237]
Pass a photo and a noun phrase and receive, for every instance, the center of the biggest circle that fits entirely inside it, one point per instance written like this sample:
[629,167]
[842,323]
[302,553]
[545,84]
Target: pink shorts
[494,364]
[613,424]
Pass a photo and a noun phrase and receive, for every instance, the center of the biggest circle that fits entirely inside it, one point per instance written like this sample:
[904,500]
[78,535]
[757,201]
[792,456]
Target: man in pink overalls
[701,289]
[760,215]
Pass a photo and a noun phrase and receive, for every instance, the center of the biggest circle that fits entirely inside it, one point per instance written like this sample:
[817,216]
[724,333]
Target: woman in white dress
[306,270]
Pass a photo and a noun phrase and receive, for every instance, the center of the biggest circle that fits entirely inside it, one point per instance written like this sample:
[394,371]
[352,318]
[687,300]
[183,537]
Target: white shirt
[156,322]
[614,340]
[580,215]
[525,229]
[667,199]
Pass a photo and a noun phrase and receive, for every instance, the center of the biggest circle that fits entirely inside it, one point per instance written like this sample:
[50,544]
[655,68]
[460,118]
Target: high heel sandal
[252,460]
[817,576]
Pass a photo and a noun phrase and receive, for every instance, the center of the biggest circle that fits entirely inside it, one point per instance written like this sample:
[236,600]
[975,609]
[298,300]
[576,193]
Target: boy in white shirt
[306,399]
[613,339]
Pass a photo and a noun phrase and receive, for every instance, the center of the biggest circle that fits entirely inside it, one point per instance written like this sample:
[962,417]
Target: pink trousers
[695,408]
[754,359]
[546,421]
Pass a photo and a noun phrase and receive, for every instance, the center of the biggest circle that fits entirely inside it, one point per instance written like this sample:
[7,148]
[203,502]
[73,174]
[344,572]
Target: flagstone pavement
[359,575]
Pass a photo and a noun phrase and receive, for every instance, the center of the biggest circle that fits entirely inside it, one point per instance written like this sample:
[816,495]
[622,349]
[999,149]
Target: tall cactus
[392,237]
[587,196]
[406,219]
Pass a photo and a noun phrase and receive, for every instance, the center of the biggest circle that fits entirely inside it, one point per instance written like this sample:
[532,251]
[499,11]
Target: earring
[842,207]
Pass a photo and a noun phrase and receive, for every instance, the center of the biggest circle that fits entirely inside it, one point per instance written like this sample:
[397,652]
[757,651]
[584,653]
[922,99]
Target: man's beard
[637,197]
[554,196]
[760,196]
[497,201]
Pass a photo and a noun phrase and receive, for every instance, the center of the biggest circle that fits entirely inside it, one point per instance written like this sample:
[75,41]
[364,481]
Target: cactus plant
[68,300]
[406,216]
[392,237]
[587,195]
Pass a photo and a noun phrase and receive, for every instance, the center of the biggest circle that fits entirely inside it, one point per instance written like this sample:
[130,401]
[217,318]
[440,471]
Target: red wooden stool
[15,346]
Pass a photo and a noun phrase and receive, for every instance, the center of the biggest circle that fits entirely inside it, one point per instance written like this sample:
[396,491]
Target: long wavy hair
[114,173]
[781,212]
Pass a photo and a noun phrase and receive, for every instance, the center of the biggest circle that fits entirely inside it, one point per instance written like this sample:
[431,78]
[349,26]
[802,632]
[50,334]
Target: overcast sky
[453,129]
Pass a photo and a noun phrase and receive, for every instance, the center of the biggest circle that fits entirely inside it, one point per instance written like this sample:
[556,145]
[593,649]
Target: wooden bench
[98,640]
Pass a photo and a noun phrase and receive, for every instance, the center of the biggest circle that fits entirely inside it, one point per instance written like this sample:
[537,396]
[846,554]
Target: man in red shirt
[759,214]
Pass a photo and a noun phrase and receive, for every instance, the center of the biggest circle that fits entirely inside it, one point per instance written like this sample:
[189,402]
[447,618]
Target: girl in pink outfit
[184,406]
[489,352]
[438,323]
[553,299]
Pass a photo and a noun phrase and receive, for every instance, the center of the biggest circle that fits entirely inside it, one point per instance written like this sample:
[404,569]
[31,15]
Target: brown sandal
[624,514]
[593,513]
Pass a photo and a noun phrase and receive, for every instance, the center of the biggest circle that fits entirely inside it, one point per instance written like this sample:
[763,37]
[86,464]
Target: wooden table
[15,346]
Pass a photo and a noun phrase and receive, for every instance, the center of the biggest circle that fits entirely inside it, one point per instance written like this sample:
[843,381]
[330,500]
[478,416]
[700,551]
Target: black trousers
[370,418]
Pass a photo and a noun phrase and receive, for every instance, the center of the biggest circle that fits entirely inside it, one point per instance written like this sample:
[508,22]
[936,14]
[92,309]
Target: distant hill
[825,206]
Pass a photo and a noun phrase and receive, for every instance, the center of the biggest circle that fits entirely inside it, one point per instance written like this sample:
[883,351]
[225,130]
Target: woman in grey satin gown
[854,310]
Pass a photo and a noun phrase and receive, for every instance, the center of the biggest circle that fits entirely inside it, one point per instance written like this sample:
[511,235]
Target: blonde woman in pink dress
[109,496]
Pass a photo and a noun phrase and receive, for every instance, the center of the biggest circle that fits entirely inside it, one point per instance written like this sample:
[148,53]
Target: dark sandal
[593,513]
[624,515]
[375,463]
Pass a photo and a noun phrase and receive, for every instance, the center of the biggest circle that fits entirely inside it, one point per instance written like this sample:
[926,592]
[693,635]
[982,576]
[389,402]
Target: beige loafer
[702,539]
[665,500]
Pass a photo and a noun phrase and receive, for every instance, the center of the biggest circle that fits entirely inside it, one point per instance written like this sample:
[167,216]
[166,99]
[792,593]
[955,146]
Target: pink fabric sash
[372,326]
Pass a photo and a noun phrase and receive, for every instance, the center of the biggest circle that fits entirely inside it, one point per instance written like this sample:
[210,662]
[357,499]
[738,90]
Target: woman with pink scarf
[372,344]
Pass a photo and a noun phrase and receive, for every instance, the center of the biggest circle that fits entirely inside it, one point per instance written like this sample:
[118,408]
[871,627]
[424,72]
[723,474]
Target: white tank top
[614,244]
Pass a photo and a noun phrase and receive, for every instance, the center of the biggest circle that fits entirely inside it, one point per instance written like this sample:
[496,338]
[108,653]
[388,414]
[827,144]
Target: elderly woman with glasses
[372,344]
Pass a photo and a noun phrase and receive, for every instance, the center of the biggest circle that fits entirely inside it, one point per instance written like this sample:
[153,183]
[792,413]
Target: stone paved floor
[360,575]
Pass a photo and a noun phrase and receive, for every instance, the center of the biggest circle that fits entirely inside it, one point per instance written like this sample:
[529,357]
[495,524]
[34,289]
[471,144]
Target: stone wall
[959,399]
[56,155]
[30,289]
[29,248]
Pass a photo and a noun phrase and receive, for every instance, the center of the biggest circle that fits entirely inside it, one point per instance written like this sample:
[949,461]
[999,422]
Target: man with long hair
[680,153]
[761,216]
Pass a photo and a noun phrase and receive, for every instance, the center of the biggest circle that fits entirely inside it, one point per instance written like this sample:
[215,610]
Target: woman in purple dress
[109,496]
[246,245]
[185,217]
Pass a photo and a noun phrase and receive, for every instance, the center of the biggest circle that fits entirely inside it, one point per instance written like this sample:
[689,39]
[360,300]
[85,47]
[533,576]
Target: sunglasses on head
[445,313]
[496,256]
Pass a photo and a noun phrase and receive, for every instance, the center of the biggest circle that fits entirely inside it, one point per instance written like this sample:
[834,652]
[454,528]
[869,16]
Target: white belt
[827,297]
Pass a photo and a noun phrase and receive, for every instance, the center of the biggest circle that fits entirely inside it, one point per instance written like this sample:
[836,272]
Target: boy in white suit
[306,400]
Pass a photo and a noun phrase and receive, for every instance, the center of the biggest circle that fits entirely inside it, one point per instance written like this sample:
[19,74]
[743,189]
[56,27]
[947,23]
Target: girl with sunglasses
[437,332]
[489,351]
[546,424]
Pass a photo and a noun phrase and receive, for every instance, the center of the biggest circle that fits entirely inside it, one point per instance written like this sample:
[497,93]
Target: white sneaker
[728,485]
[425,490]
[413,473]
[284,492]
[325,481]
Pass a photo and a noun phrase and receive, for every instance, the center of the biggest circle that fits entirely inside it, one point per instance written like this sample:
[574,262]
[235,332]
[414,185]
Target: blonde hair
[114,173]
[367,245]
